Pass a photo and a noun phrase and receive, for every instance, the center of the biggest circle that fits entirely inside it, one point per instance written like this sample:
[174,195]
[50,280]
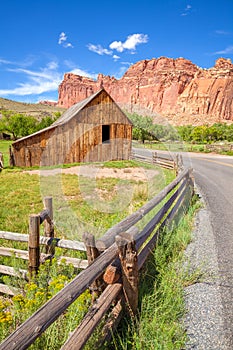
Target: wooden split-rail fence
[115,261]
[35,242]
[168,162]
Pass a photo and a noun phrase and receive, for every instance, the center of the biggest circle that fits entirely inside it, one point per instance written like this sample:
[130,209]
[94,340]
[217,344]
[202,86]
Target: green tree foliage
[20,125]
[206,134]
[145,129]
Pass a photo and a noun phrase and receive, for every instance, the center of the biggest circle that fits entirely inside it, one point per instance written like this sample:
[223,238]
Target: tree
[45,122]
[18,125]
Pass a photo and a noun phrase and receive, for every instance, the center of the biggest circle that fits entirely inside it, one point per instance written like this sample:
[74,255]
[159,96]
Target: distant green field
[4,148]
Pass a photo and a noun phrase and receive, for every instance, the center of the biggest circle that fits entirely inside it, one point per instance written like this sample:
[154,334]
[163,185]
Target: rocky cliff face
[173,88]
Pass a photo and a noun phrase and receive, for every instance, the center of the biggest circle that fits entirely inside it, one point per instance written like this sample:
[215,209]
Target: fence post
[34,244]
[48,224]
[11,157]
[154,157]
[92,253]
[129,266]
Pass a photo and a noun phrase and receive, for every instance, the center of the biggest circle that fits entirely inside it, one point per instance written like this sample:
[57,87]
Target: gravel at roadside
[204,320]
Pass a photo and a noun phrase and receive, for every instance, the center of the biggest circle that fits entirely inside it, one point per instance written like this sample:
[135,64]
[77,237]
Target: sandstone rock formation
[48,103]
[175,89]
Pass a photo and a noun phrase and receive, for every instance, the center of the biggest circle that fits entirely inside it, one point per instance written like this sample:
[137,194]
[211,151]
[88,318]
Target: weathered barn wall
[80,139]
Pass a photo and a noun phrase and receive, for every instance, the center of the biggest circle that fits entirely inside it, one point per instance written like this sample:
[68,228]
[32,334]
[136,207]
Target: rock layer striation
[175,89]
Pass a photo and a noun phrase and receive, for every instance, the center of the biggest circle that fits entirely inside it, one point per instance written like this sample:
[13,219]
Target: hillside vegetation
[37,110]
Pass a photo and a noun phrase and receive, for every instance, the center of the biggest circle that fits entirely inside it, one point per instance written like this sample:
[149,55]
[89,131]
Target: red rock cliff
[174,88]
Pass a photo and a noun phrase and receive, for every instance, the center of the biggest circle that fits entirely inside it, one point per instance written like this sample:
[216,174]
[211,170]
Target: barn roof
[69,114]
[73,110]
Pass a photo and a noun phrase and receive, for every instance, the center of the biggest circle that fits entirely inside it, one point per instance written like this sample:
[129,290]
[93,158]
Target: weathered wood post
[11,157]
[92,253]
[129,266]
[34,244]
[154,157]
[1,161]
[176,164]
[191,181]
[48,224]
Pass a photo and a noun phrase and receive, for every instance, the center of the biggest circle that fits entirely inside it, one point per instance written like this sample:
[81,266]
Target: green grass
[158,324]
[161,307]
[4,148]
[183,147]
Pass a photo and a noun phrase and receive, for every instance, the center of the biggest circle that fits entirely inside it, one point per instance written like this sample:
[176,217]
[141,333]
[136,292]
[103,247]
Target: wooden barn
[92,130]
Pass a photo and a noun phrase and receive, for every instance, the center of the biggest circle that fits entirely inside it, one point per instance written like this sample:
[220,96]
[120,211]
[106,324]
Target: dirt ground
[136,174]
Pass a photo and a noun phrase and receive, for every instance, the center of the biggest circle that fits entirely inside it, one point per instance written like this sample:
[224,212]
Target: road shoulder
[204,320]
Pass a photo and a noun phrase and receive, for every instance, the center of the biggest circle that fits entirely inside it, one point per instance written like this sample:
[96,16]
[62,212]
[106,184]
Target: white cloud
[44,80]
[187,10]
[130,43]
[227,50]
[221,32]
[115,57]
[84,73]
[52,65]
[99,49]
[63,40]
[2,61]
[120,72]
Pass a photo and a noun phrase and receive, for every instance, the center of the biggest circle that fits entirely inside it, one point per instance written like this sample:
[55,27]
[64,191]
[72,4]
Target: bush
[50,280]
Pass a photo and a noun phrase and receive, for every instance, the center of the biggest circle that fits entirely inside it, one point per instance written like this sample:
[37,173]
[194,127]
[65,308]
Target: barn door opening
[105,133]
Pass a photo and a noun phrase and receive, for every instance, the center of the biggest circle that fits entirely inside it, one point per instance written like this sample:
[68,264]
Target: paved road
[214,178]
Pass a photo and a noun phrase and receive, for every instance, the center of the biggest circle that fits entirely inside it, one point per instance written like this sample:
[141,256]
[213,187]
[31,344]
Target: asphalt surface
[214,178]
[209,320]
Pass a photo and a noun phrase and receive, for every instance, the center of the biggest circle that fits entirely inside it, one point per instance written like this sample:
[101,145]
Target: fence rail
[33,255]
[115,261]
[169,162]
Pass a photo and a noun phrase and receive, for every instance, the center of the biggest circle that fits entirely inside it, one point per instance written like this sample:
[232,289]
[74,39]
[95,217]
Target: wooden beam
[32,328]
[11,271]
[111,323]
[34,244]
[48,224]
[129,268]
[18,253]
[78,263]
[91,320]
[8,290]
[108,238]
[61,243]
[92,253]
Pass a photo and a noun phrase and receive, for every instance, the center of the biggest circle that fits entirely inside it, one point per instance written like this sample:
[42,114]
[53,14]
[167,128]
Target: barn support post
[48,225]
[92,253]
[34,244]
[129,266]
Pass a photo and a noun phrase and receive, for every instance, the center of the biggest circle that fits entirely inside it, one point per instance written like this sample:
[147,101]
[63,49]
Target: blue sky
[42,40]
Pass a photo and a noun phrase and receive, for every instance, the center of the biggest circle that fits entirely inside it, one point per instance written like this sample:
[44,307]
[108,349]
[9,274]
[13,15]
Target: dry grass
[35,109]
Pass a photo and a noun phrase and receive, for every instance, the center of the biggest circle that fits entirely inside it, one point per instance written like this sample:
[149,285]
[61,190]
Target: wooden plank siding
[79,138]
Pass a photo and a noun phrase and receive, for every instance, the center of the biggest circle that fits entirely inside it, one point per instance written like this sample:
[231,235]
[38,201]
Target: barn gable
[95,129]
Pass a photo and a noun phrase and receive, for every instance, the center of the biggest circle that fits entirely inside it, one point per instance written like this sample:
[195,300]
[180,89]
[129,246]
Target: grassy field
[187,147]
[4,148]
[75,211]
[80,204]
